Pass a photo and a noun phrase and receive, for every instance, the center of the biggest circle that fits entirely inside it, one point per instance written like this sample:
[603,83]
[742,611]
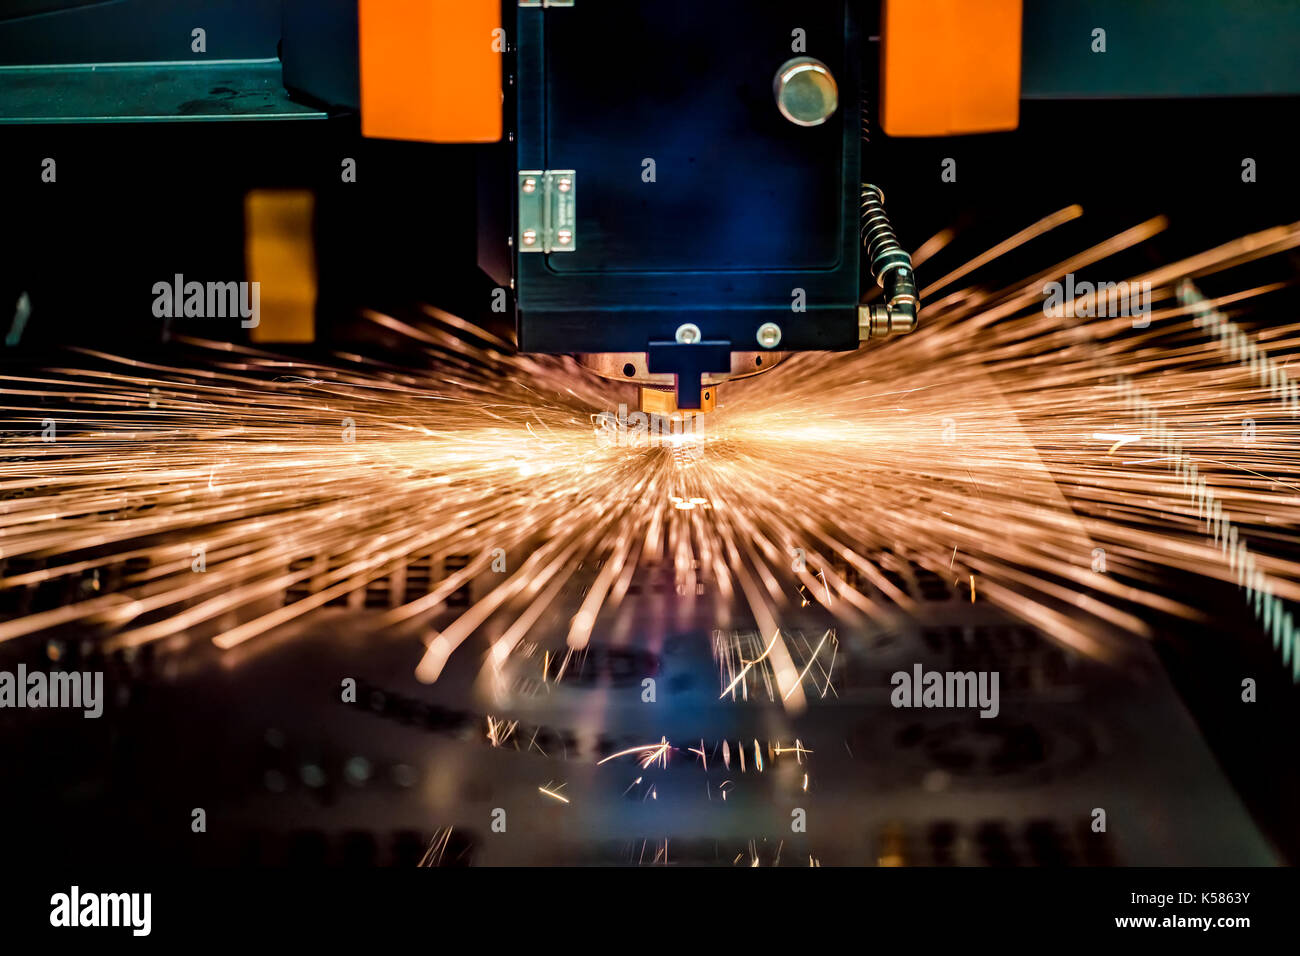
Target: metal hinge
[546,3]
[547,210]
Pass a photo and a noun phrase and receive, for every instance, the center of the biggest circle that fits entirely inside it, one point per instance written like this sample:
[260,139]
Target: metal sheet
[147,92]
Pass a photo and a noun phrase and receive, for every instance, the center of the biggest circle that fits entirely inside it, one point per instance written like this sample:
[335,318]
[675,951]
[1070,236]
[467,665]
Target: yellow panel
[281,257]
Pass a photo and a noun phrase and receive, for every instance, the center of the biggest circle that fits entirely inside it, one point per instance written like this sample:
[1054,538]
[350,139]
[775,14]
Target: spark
[437,848]
[499,731]
[647,754]
[532,743]
[474,448]
[554,793]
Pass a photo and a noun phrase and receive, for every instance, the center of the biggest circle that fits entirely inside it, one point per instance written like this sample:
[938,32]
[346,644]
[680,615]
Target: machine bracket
[690,363]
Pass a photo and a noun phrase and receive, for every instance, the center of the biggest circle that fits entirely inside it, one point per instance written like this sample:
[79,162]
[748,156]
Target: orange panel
[949,66]
[431,70]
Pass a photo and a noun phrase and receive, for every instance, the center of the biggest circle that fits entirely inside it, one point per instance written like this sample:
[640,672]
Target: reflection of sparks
[487,449]
[662,853]
[835,651]
[704,760]
[748,664]
[804,672]
[729,649]
[798,750]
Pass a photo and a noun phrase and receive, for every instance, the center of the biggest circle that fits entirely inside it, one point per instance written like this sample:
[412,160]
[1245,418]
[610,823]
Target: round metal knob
[806,92]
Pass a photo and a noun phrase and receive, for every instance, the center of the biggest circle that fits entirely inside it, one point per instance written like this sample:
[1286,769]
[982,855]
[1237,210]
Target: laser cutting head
[677,232]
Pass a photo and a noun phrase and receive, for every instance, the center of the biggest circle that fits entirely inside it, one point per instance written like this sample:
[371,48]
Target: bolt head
[769,335]
[806,91]
[689,333]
